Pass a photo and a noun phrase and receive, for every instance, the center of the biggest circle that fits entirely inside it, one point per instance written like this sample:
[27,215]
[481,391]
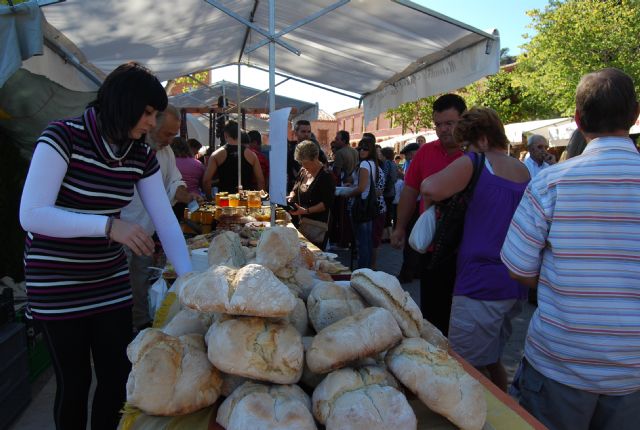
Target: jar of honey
[223,201]
[219,196]
[234,200]
[253,199]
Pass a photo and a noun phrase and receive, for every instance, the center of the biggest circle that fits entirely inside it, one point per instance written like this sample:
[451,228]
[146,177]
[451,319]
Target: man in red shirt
[436,285]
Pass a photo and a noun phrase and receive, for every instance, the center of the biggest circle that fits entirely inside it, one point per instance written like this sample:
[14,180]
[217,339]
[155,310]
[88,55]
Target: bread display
[384,290]
[226,250]
[250,290]
[439,381]
[257,406]
[277,247]
[256,348]
[371,343]
[170,375]
[330,302]
[368,332]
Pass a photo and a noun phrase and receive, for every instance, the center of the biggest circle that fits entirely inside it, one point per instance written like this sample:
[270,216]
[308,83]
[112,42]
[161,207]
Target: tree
[413,116]
[499,93]
[193,82]
[572,38]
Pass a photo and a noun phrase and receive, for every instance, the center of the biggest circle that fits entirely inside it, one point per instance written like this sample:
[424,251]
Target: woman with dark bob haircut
[485,298]
[82,173]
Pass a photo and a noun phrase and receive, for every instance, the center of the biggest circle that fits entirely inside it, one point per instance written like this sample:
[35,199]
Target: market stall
[289,336]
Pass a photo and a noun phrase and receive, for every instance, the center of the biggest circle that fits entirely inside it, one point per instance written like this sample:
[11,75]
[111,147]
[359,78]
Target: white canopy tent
[407,138]
[517,131]
[389,52]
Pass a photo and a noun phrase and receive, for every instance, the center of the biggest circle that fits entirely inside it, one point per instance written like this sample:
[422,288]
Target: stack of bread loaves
[365,342]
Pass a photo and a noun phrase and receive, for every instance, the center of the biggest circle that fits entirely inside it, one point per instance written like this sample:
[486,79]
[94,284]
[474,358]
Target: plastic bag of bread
[256,348]
[170,375]
[366,333]
[250,290]
[367,398]
[440,382]
[264,407]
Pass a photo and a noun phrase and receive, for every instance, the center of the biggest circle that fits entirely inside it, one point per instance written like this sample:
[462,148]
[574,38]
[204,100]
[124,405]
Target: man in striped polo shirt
[576,238]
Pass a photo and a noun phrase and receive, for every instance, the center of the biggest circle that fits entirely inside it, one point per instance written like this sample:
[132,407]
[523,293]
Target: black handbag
[450,225]
[365,210]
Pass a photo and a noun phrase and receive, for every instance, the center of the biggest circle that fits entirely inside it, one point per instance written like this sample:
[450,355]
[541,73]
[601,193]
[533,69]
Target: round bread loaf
[277,247]
[368,332]
[330,302]
[170,375]
[256,348]
[439,381]
[251,290]
[225,249]
[384,290]
[257,406]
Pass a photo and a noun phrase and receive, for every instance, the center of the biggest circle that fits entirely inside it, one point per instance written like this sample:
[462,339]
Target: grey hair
[536,138]
[307,150]
[169,110]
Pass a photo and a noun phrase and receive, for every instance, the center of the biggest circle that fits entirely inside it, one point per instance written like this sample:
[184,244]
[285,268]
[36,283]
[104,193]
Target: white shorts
[479,329]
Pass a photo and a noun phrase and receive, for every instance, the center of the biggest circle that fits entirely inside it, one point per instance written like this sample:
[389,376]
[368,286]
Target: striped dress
[578,227]
[75,277]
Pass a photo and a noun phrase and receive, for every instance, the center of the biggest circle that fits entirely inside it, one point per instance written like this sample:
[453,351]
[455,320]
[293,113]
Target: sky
[508,16]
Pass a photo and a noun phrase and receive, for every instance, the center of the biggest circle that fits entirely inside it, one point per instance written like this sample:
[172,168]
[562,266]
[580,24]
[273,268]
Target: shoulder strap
[478,165]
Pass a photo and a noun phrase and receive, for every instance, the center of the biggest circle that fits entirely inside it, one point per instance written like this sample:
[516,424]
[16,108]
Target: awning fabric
[389,52]
[252,99]
[517,131]
[20,36]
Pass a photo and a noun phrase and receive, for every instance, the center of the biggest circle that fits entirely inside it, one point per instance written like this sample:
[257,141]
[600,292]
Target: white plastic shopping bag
[423,231]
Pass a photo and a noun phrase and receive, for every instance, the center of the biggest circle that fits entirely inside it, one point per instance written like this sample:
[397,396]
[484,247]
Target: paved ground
[38,416]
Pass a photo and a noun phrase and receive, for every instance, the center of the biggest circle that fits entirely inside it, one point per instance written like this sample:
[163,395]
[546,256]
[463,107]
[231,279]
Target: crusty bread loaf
[256,348]
[170,375]
[188,321]
[277,247]
[433,335]
[366,398]
[225,249]
[250,290]
[330,302]
[440,382]
[384,290]
[308,378]
[364,334]
[257,406]
[298,317]
[345,380]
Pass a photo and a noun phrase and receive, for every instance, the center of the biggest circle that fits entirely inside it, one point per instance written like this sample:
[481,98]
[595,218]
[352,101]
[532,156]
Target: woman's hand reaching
[133,236]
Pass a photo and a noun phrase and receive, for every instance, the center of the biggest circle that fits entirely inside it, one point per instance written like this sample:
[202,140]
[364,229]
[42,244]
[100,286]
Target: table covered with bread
[265,338]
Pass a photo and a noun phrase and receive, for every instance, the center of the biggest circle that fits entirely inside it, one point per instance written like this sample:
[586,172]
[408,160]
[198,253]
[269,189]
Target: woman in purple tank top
[485,298]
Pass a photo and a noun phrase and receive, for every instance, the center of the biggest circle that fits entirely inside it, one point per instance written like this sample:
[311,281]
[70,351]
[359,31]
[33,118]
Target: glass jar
[234,200]
[253,199]
[223,201]
[219,196]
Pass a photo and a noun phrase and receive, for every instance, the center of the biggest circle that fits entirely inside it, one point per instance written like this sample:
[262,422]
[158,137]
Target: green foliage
[413,116]
[572,38]
[499,93]
[193,82]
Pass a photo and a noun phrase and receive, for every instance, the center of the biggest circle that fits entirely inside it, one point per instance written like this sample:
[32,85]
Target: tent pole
[272,77]
[239,141]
